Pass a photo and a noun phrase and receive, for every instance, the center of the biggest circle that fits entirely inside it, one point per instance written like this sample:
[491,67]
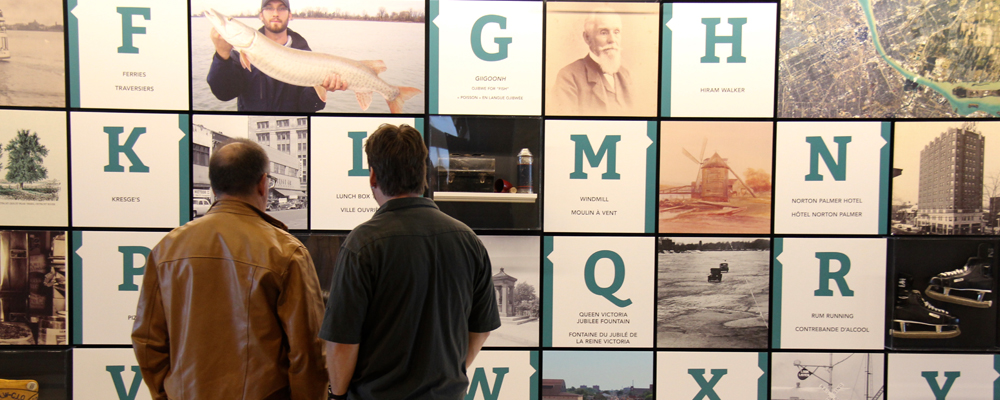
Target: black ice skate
[967,286]
[915,318]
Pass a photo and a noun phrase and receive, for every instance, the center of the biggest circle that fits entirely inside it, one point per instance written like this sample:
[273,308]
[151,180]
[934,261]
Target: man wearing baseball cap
[254,90]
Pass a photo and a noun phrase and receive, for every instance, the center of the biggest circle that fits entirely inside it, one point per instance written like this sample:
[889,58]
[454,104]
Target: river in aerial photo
[35,73]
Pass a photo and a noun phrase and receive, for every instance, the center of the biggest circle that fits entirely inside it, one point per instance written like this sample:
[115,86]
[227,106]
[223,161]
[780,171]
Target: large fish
[307,68]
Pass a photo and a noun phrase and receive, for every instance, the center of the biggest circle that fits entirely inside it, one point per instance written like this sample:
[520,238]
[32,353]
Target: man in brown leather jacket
[230,305]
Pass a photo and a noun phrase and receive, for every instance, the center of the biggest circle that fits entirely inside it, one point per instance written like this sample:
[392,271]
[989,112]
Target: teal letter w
[116,376]
[479,382]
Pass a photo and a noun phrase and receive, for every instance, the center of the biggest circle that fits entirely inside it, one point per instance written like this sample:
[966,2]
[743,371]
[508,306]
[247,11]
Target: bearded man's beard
[609,58]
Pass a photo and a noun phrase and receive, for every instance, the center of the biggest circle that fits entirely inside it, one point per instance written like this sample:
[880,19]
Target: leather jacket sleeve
[300,309]
[149,333]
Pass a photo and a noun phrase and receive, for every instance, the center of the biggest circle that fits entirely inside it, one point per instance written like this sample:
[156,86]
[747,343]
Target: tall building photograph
[944,178]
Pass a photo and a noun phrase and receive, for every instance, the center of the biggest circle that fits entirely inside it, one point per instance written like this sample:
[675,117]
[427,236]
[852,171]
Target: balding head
[236,168]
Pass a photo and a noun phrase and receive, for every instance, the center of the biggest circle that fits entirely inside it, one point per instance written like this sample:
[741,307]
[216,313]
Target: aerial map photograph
[889,59]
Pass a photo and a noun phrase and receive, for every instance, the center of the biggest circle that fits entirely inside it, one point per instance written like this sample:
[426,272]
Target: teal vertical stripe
[883,188]
[996,382]
[74,54]
[762,381]
[77,294]
[433,65]
[547,297]
[776,295]
[184,168]
[418,124]
[651,178]
[533,380]
[668,13]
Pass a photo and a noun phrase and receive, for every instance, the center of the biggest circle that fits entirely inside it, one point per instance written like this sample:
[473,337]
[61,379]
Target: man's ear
[372,181]
[262,185]
[586,37]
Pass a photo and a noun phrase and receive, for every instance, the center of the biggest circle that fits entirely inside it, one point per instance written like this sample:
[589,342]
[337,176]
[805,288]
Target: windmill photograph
[715,177]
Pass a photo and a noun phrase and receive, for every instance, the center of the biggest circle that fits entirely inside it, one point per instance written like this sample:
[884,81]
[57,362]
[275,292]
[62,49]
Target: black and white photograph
[34,374]
[946,178]
[32,58]
[516,272]
[33,168]
[486,171]
[33,288]
[827,376]
[712,292]
[597,374]
[286,141]
[943,294]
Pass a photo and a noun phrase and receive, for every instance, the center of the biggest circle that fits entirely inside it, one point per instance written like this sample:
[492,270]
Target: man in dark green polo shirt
[412,298]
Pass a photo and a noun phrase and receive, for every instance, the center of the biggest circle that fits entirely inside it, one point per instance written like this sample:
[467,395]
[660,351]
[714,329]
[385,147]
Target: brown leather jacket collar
[234,206]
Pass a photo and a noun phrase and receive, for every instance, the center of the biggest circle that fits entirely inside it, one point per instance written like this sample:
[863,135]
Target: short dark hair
[236,168]
[398,157]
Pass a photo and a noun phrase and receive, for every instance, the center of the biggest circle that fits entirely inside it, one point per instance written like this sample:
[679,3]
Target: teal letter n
[129,271]
[583,148]
[825,276]
[939,392]
[817,149]
[357,168]
[116,376]
[479,382]
[477,38]
[128,30]
[707,388]
[711,40]
[114,148]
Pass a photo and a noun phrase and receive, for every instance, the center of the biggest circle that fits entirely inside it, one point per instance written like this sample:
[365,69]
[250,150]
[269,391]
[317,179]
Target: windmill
[712,181]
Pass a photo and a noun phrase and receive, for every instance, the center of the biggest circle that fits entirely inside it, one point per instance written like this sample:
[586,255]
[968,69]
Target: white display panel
[107,374]
[598,181]
[829,293]
[943,376]
[598,292]
[489,57]
[109,267]
[693,375]
[341,190]
[503,375]
[129,55]
[831,177]
[127,169]
[718,60]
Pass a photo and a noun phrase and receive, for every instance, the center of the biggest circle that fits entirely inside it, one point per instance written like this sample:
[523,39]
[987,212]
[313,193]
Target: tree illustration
[24,158]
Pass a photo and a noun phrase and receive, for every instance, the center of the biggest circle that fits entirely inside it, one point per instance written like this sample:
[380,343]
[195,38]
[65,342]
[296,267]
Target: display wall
[735,200]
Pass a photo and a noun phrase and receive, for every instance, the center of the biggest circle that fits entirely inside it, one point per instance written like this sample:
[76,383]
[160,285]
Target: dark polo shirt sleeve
[485,314]
[350,293]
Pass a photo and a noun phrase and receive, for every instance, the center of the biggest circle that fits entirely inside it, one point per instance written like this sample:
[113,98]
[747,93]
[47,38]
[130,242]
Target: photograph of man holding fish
[246,58]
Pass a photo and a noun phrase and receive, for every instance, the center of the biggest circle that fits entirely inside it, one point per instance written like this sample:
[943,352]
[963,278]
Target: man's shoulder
[575,67]
[381,227]
[206,232]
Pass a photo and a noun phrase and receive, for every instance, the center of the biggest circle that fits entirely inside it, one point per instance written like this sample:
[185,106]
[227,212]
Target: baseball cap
[264,4]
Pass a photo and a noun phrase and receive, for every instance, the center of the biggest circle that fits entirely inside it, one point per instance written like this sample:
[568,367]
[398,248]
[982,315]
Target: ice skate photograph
[943,294]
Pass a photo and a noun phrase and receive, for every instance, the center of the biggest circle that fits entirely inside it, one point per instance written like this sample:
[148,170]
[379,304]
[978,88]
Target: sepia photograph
[285,139]
[33,288]
[946,178]
[713,292]
[322,56]
[32,57]
[715,177]
[516,273]
[33,170]
[598,374]
[601,58]
[825,376]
